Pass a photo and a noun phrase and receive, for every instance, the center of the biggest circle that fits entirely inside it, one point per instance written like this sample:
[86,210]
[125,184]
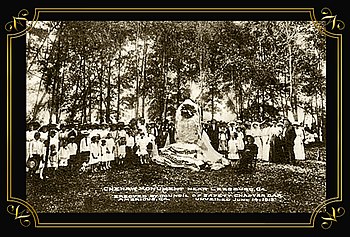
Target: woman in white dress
[240,139]
[233,155]
[265,139]
[299,149]
[256,133]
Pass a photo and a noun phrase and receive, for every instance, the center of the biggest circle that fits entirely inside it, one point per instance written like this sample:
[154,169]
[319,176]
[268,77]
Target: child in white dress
[35,153]
[120,151]
[223,141]
[72,149]
[103,154]
[110,150]
[141,144]
[63,156]
[233,155]
[94,154]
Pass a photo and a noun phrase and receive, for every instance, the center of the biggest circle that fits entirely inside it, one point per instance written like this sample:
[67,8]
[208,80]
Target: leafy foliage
[97,70]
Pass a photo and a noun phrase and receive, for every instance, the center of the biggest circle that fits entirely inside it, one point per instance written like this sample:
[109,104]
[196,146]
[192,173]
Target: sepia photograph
[175,116]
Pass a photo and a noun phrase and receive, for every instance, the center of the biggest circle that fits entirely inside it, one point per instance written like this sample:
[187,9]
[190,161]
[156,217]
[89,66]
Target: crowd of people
[96,147]
[274,141]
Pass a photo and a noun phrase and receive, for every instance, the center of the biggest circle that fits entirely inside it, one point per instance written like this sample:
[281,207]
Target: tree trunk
[292,96]
[240,101]
[263,106]
[178,84]
[119,81]
[108,99]
[143,66]
[101,92]
[212,103]
[90,101]
[137,72]
[84,85]
[285,108]
[165,82]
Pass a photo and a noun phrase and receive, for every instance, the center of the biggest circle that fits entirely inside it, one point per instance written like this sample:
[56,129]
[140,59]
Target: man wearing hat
[289,136]
[213,133]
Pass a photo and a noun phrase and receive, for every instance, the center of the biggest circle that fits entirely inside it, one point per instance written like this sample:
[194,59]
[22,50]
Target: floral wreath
[188,111]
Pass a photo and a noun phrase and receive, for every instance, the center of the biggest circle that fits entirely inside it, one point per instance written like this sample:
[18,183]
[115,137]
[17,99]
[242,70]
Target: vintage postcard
[175,117]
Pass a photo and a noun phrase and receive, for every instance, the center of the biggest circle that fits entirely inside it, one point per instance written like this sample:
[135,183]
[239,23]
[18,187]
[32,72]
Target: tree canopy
[106,71]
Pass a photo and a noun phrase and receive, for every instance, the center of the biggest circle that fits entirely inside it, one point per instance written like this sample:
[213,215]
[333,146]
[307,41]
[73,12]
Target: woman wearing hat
[276,143]
[255,132]
[265,136]
[299,149]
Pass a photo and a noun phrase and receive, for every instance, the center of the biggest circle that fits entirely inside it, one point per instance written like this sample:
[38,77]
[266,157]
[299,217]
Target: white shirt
[110,144]
[72,148]
[36,147]
[95,149]
[85,144]
[130,141]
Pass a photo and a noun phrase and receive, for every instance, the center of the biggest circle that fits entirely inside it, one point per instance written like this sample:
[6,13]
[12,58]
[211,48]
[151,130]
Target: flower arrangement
[188,111]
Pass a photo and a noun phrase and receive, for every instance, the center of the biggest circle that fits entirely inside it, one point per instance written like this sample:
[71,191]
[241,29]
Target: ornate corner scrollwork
[332,19]
[21,213]
[17,22]
[332,217]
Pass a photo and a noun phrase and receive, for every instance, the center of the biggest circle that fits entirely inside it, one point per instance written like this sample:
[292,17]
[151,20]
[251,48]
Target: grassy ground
[272,188]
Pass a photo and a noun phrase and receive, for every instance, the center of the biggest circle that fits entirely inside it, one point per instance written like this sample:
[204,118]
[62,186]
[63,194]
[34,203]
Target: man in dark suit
[213,133]
[289,136]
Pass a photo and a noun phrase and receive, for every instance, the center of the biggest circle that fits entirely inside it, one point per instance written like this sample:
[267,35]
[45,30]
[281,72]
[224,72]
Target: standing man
[171,132]
[289,136]
[213,133]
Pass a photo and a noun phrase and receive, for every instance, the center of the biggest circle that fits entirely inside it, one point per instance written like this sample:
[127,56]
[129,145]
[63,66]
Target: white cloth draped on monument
[192,148]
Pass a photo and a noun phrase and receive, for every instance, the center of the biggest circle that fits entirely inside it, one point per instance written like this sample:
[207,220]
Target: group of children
[91,148]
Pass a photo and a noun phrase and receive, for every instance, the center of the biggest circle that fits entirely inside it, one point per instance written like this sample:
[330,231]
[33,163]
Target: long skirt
[265,148]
